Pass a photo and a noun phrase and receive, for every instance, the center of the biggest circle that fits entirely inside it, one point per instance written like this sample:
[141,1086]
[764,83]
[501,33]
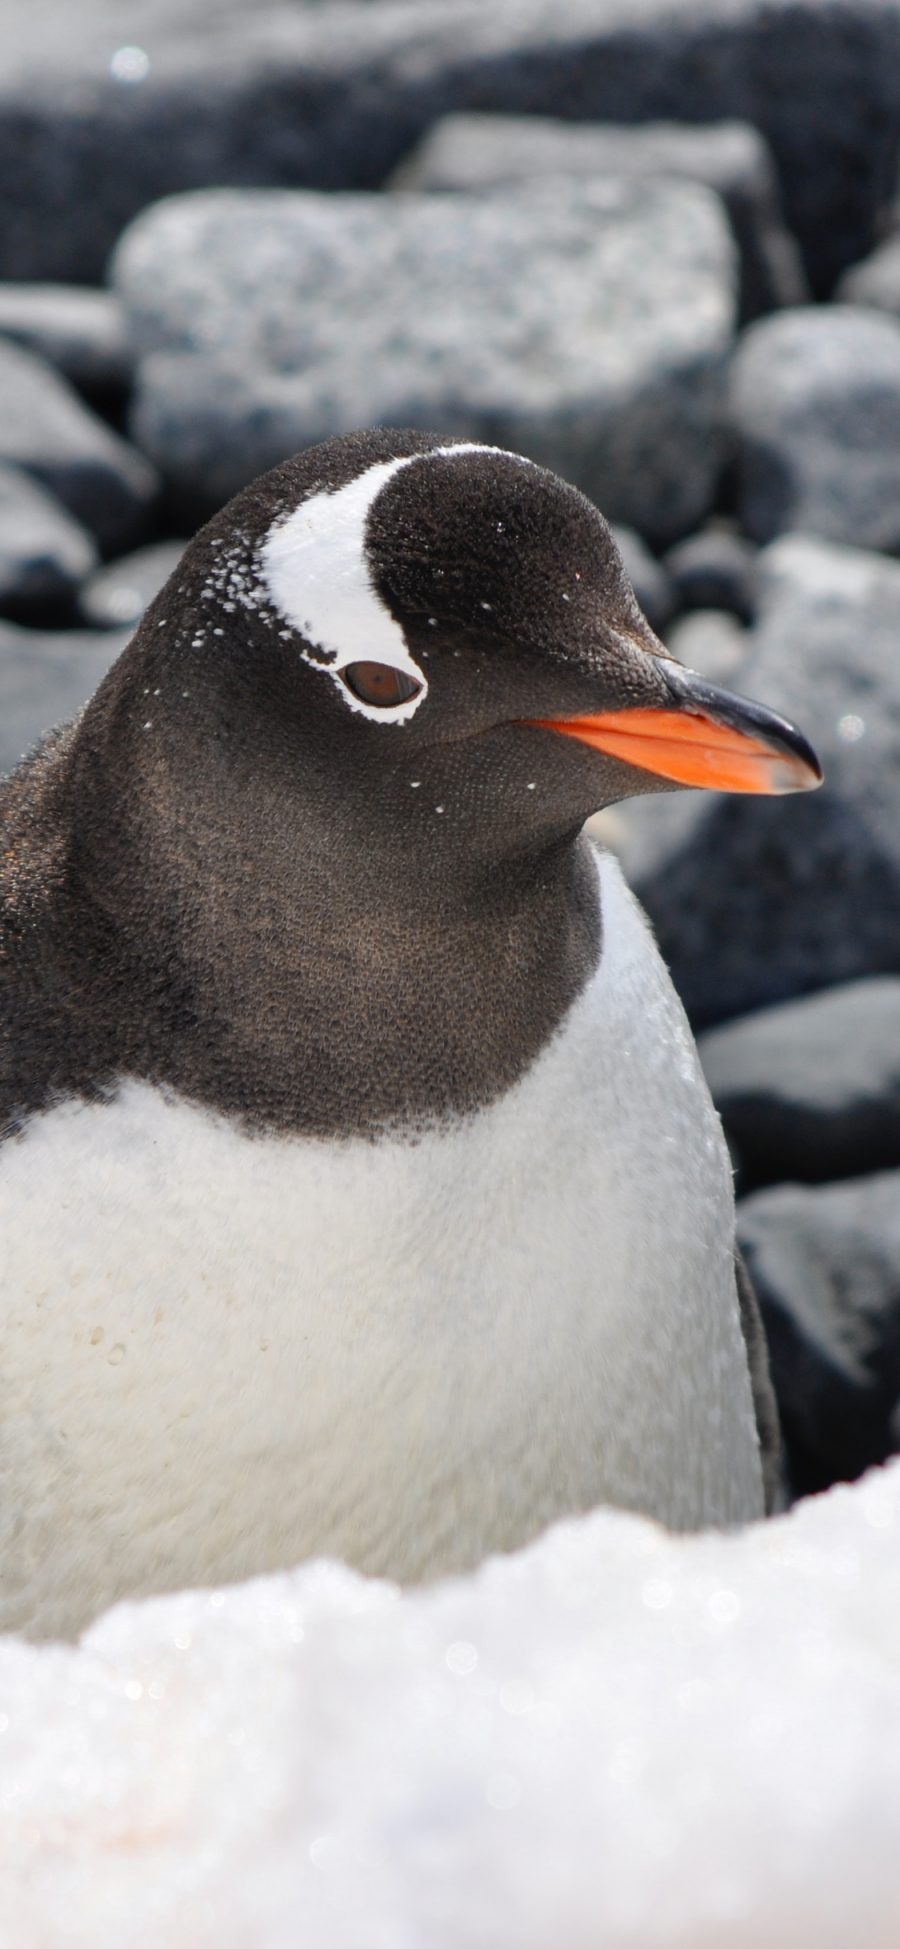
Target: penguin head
[447,626]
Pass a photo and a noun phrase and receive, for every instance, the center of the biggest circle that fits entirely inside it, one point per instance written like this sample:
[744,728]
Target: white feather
[315,570]
[223,1353]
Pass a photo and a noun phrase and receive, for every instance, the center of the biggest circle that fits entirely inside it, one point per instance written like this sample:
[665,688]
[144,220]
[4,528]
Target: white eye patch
[316,572]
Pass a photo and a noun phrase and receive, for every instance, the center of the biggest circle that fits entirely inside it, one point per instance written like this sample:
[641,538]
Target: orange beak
[710,739]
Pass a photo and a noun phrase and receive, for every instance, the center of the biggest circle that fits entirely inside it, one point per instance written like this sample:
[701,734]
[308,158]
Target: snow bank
[617,1737]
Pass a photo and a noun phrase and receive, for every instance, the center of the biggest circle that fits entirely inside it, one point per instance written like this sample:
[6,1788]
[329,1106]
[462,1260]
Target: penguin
[360,1191]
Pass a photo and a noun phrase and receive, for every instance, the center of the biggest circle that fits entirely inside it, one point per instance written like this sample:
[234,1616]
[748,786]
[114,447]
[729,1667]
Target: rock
[264,323]
[876,281]
[811,1089]
[45,677]
[711,641]
[47,429]
[825,1262]
[116,596]
[477,152]
[715,569]
[331,97]
[44,554]
[815,414]
[79,331]
[652,586]
[755,901]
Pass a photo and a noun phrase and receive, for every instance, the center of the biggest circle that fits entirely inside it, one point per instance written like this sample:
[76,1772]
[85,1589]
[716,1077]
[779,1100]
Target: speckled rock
[811,1089]
[100,115]
[264,323]
[45,677]
[755,901]
[44,553]
[46,429]
[825,1262]
[814,410]
[715,569]
[477,152]
[117,595]
[78,330]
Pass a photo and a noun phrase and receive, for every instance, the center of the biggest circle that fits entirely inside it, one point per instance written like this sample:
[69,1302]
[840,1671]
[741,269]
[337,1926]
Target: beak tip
[801,770]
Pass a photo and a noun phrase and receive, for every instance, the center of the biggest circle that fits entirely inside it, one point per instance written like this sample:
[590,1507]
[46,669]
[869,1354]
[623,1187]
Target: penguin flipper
[765,1406]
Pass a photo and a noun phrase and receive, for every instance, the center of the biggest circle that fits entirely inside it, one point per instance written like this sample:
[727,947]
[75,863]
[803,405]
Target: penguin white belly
[222,1353]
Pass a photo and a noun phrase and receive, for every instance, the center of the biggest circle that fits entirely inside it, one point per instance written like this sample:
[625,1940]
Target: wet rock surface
[825,1262]
[811,1089]
[548,231]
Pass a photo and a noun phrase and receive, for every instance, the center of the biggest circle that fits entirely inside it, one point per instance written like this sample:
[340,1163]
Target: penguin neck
[297,967]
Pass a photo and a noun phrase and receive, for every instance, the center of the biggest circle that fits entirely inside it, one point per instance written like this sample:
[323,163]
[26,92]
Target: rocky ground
[656,248]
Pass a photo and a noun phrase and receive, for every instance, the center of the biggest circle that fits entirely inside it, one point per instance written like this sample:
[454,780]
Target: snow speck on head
[315,569]
[618,1736]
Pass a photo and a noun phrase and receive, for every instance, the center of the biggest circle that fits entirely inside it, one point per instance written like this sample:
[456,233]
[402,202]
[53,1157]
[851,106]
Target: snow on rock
[616,1737]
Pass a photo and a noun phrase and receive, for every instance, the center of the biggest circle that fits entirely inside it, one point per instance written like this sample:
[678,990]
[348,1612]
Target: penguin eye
[380,684]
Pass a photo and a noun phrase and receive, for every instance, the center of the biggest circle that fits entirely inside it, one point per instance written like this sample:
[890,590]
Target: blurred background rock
[658,249]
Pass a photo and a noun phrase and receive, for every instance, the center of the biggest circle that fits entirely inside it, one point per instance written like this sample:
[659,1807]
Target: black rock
[46,429]
[825,1263]
[78,330]
[477,152]
[758,900]
[45,677]
[44,553]
[716,569]
[649,580]
[814,408]
[811,1089]
[876,281]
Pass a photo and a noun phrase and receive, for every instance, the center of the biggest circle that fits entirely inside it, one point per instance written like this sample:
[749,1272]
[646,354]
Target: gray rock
[811,1089]
[477,152]
[45,677]
[117,595]
[825,1263]
[79,331]
[332,97]
[47,429]
[715,569]
[652,586]
[711,641]
[267,322]
[876,281]
[815,413]
[756,901]
[44,553]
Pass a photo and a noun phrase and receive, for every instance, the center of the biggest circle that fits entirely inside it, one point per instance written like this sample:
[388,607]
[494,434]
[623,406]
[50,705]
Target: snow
[616,1737]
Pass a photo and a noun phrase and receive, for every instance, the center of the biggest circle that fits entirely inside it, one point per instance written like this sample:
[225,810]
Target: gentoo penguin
[360,1193]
